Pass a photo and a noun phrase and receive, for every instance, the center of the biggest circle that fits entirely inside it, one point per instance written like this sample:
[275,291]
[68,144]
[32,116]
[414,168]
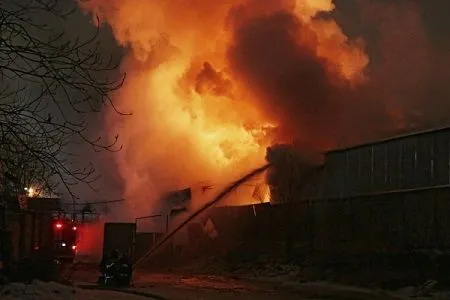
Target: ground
[190,287]
[48,291]
[176,286]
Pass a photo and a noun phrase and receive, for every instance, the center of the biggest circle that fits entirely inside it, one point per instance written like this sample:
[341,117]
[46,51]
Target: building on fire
[387,195]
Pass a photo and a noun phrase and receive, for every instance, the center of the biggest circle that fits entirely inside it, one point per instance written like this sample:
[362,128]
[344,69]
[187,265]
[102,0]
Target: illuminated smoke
[211,84]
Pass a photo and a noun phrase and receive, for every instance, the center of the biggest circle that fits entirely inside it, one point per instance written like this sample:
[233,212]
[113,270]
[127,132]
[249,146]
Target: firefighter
[107,259]
[114,256]
[125,260]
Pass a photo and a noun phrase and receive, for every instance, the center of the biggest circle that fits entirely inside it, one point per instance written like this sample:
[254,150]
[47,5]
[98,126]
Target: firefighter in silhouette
[126,269]
[114,256]
[108,259]
[124,260]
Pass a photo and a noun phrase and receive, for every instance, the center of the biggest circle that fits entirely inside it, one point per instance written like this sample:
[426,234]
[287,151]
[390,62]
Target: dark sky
[434,14]
[436,20]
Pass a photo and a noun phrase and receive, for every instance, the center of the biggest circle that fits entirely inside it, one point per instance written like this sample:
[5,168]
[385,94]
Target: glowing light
[59,225]
[74,247]
[32,192]
[63,244]
[74,228]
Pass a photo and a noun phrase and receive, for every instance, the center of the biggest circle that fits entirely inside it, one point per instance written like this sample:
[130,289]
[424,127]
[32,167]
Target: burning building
[389,195]
[213,84]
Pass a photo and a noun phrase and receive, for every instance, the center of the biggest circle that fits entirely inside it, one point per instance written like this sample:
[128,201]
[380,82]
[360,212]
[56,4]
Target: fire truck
[66,238]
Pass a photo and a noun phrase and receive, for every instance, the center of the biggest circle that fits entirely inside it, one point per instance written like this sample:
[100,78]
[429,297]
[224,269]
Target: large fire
[204,102]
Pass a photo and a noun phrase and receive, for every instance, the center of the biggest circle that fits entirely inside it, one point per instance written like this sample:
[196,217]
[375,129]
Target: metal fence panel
[379,167]
[362,220]
[393,161]
[424,149]
[330,185]
[320,227]
[408,162]
[366,174]
[419,219]
[403,163]
[335,173]
[442,223]
[441,158]
[353,171]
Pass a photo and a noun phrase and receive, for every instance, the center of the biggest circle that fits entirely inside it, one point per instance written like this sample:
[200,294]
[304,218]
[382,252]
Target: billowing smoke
[211,84]
[276,53]
[410,54]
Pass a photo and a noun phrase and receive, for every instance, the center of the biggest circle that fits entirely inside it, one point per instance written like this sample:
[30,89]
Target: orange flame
[192,120]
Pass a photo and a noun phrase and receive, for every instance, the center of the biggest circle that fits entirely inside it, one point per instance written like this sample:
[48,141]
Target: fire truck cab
[66,238]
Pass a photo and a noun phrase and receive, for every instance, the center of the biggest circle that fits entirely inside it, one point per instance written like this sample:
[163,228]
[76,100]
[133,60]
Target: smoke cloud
[211,84]
[288,77]
[408,72]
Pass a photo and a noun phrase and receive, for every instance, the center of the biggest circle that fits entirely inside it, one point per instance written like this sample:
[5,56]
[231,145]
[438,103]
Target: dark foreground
[188,286]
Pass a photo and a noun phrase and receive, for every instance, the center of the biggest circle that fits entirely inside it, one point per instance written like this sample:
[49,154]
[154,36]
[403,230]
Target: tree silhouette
[50,83]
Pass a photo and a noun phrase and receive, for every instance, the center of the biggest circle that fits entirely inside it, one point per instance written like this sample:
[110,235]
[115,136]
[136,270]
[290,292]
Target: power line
[99,202]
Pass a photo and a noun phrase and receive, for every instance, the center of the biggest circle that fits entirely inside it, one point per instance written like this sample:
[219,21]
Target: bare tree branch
[49,84]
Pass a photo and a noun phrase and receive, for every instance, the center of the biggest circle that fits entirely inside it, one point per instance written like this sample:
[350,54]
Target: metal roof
[393,138]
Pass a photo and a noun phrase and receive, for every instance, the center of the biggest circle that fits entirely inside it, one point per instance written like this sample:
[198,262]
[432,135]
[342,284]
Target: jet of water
[209,204]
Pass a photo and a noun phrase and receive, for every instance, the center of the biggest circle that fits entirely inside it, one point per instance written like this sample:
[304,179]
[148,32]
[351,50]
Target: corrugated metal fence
[389,222]
[416,161]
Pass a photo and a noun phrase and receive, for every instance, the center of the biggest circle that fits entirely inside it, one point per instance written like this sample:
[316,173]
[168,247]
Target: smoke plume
[211,84]
[408,73]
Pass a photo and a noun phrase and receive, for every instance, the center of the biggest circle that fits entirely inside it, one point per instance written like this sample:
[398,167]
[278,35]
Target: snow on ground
[39,290]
